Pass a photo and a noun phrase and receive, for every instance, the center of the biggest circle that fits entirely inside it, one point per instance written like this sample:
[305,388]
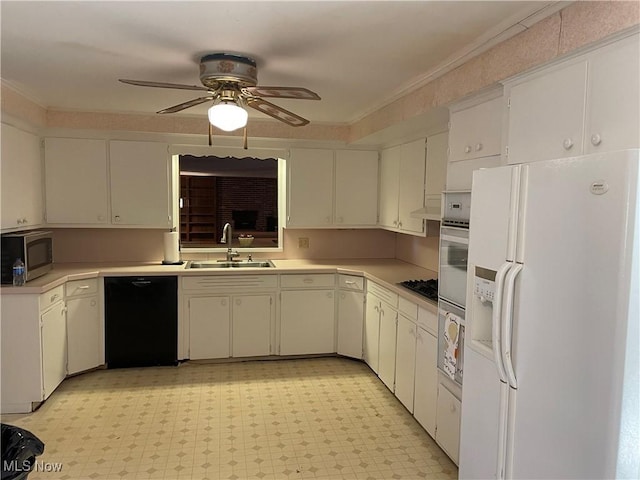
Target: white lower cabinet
[251,325]
[426,380]
[380,332]
[448,421]
[229,315]
[85,344]
[405,361]
[53,326]
[307,321]
[33,333]
[350,316]
[209,327]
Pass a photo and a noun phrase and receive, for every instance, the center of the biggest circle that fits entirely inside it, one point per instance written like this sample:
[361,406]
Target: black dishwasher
[141,321]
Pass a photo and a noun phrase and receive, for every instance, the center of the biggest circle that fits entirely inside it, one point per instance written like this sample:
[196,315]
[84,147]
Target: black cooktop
[426,288]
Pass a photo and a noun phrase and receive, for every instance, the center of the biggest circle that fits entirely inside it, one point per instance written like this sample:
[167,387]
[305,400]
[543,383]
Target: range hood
[431,210]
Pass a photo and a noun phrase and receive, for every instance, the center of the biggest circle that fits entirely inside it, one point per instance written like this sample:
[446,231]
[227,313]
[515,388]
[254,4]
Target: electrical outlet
[303,242]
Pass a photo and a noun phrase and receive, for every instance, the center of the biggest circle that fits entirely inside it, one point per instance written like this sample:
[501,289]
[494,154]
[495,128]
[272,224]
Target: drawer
[351,282]
[408,308]
[428,320]
[229,283]
[382,293]
[306,281]
[52,296]
[75,288]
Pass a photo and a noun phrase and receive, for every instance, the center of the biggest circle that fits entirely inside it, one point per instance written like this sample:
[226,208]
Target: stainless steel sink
[233,264]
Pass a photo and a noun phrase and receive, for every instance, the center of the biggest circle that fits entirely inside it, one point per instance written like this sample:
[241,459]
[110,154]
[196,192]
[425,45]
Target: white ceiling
[357,55]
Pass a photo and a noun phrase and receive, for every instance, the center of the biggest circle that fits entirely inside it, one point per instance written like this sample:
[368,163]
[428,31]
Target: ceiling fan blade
[283,92]
[277,112]
[190,103]
[180,86]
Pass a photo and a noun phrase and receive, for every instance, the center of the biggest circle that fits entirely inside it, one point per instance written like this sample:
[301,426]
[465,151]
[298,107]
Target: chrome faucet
[227,237]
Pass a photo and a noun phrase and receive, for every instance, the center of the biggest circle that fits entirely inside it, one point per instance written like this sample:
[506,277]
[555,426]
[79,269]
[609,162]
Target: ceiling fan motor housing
[219,68]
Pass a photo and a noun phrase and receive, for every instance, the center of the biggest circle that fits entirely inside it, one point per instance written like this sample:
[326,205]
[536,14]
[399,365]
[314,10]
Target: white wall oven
[452,282]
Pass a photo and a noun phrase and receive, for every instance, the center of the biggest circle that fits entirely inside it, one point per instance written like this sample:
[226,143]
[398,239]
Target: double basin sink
[232,264]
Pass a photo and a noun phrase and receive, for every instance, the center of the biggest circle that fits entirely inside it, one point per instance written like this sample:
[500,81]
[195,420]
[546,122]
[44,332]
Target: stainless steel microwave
[34,248]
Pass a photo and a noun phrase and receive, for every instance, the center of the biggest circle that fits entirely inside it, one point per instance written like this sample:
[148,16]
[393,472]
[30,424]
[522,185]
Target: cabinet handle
[349,282]
[327,219]
[223,302]
[116,218]
[467,149]
[412,332]
[100,218]
[596,139]
[342,296]
[54,298]
[93,303]
[329,294]
[478,147]
[376,308]
[83,287]
[567,144]
[238,301]
[340,219]
[399,224]
[308,280]
[452,407]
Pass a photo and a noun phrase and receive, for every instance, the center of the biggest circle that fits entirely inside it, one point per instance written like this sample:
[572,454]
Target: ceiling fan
[231,82]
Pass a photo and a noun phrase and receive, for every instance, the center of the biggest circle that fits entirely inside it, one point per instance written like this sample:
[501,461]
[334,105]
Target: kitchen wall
[146,245]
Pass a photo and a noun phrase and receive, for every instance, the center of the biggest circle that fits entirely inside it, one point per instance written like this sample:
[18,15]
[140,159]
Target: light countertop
[387,272]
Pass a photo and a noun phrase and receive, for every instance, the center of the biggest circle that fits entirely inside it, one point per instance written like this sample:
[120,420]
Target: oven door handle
[451,238]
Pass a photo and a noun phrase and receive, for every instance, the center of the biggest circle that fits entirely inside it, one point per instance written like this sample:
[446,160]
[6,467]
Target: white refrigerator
[551,380]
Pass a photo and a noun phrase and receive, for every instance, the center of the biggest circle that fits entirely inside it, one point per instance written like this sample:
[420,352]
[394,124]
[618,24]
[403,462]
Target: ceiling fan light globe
[228,116]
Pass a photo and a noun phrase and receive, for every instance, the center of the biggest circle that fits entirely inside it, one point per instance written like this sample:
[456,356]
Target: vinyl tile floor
[328,418]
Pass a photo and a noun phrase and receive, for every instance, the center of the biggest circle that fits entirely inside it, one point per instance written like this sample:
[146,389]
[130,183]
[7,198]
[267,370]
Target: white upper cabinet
[76,186]
[332,189]
[21,178]
[310,188]
[140,184]
[584,105]
[356,183]
[436,174]
[476,130]
[402,187]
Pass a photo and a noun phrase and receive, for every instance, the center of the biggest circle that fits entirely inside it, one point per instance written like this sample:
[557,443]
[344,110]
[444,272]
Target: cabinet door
[251,325]
[307,322]
[426,381]
[387,352]
[356,181]
[54,348]
[546,115]
[310,188]
[76,180]
[21,179]
[140,183]
[613,98]
[448,423]
[411,185]
[389,187]
[83,334]
[209,329]
[372,332]
[350,323]
[476,131]
[405,361]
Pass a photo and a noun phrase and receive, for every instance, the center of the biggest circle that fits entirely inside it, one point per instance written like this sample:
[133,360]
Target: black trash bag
[20,448]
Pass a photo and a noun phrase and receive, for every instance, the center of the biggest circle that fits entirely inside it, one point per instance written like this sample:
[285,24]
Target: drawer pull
[349,282]
[83,287]
[54,297]
[93,303]
[308,280]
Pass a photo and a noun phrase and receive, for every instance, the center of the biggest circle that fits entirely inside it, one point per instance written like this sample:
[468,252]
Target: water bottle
[18,273]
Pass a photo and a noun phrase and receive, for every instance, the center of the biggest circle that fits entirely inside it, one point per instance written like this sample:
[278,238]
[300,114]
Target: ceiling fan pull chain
[245,138]
[210,134]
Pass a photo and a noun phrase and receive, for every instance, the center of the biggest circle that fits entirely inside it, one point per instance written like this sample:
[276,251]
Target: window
[245,192]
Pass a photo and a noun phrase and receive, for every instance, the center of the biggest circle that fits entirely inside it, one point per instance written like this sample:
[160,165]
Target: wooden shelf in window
[198,212]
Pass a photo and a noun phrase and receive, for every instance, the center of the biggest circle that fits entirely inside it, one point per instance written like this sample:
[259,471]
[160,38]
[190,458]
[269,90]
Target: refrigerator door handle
[496,320]
[507,319]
